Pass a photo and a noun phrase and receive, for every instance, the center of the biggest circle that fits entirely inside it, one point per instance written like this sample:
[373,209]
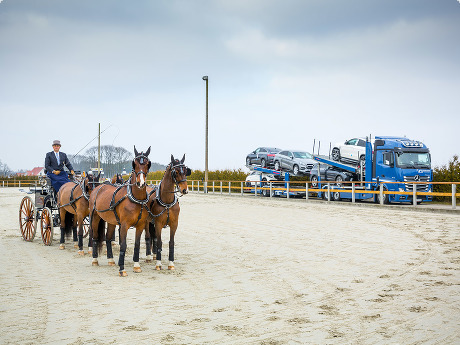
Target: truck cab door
[385,167]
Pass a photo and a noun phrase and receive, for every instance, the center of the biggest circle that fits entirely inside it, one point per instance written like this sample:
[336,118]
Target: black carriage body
[43,194]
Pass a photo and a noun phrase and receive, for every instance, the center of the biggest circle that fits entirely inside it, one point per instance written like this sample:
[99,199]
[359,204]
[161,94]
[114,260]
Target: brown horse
[125,206]
[72,200]
[165,208]
[117,179]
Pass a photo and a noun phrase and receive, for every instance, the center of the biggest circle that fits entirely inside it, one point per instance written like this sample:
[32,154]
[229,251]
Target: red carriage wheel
[85,227]
[27,219]
[46,226]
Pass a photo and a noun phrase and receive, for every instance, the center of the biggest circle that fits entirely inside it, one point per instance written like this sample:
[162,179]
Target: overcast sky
[281,73]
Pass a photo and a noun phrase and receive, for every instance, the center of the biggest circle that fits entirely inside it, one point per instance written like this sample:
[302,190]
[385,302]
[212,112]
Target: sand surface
[248,271]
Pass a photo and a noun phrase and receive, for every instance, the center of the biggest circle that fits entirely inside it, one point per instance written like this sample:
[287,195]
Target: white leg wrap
[94,259]
[111,260]
[149,257]
[171,264]
[158,263]
[136,264]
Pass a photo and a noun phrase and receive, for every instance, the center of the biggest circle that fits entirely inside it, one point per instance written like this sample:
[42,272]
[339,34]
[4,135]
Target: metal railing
[295,188]
[305,189]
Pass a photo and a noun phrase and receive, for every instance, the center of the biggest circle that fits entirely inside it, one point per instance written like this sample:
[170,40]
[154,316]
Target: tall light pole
[206,140]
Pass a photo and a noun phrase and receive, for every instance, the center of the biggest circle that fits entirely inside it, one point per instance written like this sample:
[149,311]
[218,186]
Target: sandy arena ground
[248,271]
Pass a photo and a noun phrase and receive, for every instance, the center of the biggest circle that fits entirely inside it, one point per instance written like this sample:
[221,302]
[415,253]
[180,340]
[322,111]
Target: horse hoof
[111,263]
[95,263]
[122,274]
[81,252]
[90,252]
[137,269]
[148,260]
[158,268]
[62,246]
[171,268]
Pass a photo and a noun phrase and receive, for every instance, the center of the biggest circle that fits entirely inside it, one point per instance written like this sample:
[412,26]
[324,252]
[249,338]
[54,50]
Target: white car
[352,150]
[256,178]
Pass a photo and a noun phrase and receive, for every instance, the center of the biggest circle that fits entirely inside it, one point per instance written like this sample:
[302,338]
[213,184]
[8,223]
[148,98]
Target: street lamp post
[206,141]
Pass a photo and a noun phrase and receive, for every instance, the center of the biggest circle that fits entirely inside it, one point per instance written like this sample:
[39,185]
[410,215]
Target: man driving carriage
[54,165]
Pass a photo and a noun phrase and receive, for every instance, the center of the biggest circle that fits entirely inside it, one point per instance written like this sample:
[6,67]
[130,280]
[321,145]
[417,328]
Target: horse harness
[113,204]
[83,195]
[166,206]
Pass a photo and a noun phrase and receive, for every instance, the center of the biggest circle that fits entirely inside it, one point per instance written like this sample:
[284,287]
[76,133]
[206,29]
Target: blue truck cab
[396,159]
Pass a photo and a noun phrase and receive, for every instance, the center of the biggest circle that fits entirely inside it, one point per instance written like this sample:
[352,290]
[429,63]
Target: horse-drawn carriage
[43,206]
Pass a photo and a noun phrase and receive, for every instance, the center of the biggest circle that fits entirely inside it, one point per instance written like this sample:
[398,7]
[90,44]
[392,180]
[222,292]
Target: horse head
[179,173]
[91,182]
[141,166]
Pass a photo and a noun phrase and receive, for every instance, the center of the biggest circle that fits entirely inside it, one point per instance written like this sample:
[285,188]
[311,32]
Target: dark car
[330,173]
[262,156]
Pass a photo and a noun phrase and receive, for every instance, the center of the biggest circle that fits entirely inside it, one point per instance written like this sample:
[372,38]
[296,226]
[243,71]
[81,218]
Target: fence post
[353,197]
[454,199]
[213,187]
[220,187]
[328,192]
[271,189]
[287,189]
[381,194]
[414,194]
[241,188]
[306,191]
[198,186]
[229,188]
[19,183]
[255,188]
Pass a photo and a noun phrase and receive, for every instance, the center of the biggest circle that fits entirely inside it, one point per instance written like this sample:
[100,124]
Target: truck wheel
[263,163]
[385,198]
[336,154]
[314,181]
[336,196]
[295,170]
[277,165]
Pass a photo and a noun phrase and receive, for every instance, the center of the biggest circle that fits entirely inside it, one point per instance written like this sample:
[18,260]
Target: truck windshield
[414,160]
[304,155]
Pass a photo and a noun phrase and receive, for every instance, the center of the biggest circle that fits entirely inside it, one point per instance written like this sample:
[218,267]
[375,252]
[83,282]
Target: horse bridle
[143,159]
[183,170]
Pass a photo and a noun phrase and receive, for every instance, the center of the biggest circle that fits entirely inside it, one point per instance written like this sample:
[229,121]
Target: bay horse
[123,206]
[164,211]
[117,179]
[73,204]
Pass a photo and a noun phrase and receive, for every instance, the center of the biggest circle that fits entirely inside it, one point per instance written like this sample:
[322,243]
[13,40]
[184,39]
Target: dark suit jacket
[51,162]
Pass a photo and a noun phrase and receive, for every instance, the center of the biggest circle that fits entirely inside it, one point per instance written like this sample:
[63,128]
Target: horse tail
[100,235]
[68,223]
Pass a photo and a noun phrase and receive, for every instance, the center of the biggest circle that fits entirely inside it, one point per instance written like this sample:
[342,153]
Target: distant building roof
[36,171]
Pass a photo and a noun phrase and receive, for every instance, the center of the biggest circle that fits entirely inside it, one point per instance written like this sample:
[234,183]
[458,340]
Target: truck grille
[421,187]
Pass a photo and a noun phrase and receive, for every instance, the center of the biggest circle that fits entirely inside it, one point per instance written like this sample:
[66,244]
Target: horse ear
[99,176]
[183,159]
[172,158]
[148,152]
[135,152]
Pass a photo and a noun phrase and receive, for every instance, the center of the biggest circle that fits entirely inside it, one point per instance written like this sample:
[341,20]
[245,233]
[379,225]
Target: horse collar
[133,199]
[161,202]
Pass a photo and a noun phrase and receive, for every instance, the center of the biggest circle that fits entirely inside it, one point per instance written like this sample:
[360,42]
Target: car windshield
[414,160]
[303,155]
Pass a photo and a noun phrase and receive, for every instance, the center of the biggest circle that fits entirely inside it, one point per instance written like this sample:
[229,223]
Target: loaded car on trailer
[263,156]
[296,161]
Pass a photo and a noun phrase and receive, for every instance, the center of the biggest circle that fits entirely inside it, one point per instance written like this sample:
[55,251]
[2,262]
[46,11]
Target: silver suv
[295,161]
